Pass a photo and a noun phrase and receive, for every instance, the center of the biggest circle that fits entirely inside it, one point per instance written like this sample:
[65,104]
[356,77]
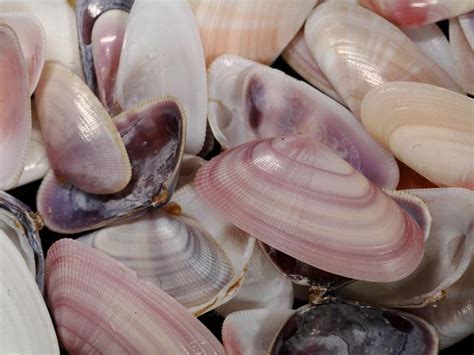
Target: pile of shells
[182,174]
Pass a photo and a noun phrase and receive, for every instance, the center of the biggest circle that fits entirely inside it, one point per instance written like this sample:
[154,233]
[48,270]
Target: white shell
[463,53]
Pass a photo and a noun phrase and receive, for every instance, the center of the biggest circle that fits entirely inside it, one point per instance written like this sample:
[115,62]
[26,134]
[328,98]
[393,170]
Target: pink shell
[298,196]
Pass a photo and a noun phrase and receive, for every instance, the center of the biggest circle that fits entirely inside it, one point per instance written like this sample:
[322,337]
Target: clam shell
[467,25]
[99,305]
[299,197]
[453,317]
[448,253]
[258,29]
[26,325]
[463,53]
[300,59]
[236,244]
[32,40]
[15,110]
[430,129]
[162,55]
[175,253]
[420,12]
[107,39]
[84,146]
[263,287]
[87,14]
[21,225]
[251,101]
[188,169]
[337,326]
[153,135]
[252,331]
[358,50]
[58,21]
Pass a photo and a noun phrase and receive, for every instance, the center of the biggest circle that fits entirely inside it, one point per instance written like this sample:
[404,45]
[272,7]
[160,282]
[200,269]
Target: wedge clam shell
[448,253]
[258,29]
[99,305]
[84,146]
[430,129]
[358,50]
[301,198]
[340,326]
[173,252]
[162,55]
[87,13]
[25,322]
[252,331]
[250,101]
[410,13]
[32,40]
[467,25]
[463,53]
[153,135]
[19,224]
[15,109]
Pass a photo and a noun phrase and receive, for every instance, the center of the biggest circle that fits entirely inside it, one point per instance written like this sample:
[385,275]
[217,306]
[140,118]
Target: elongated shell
[25,322]
[448,253]
[453,317]
[32,40]
[337,326]
[258,29]
[21,225]
[300,59]
[420,12]
[251,101]
[301,198]
[463,52]
[252,331]
[235,243]
[358,50]
[58,20]
[153,135]
[175,253]
[84,146]
[15,110]
[430,129]
[162,55]
[99,305]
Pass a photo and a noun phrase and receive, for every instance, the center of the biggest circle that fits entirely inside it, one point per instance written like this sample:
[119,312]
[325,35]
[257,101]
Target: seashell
[19,224]
[15,111]
[88,16]
[434,44]
[83,145]
[448,253]
[416,122]
[58,20]
[300,59]
[263,287]
[358,50]
[37,164]
[250,101]
[337,326]
[32,40]
[153,136]
[312,205]
[235,243]
[463,53]
[467,24]
[107,39]
[453,317]
[409,13]
[173,252]
[156,62]
[99,305]
[26,325]
[258,30]
[188,169]
[252,331]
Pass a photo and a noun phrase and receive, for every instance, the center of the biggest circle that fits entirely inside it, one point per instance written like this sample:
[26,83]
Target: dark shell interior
[338,326]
